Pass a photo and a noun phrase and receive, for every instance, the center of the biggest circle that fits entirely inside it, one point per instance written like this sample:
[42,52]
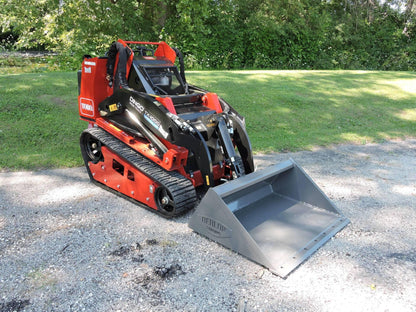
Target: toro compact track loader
[170,146]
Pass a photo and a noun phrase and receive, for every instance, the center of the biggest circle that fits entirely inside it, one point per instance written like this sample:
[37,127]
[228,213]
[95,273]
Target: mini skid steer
[171,146]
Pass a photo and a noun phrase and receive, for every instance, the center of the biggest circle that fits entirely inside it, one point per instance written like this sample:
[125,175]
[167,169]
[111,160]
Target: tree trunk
[408,16]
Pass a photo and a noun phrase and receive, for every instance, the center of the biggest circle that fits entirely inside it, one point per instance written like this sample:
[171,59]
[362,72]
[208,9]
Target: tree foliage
[286,34]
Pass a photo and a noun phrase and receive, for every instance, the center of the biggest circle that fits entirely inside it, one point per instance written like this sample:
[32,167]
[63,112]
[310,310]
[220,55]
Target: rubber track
[181,189]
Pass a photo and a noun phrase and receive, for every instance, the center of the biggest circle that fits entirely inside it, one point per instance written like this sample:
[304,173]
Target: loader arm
[156,124]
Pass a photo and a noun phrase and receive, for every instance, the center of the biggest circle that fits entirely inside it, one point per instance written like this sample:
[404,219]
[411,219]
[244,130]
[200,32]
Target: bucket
[276,217]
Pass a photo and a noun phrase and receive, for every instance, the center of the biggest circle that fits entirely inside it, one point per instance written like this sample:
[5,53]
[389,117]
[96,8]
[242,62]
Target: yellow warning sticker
[112,107]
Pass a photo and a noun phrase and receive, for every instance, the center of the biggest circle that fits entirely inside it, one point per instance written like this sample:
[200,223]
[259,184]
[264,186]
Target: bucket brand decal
[215,227]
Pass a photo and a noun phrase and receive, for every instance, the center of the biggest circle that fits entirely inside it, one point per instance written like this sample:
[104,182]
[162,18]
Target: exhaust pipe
[276,217]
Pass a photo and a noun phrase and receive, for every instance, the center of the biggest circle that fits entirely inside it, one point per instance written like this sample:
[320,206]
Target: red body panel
[211,100]
[163,49]
[117,174]
[168,103]
[93,88]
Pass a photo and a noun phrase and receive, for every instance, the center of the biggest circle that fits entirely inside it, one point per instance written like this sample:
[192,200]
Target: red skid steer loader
[170,146]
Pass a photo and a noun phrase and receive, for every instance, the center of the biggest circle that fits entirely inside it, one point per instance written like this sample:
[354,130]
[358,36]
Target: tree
[376,34]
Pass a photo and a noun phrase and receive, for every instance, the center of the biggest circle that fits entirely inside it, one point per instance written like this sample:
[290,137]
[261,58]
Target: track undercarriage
[115,165]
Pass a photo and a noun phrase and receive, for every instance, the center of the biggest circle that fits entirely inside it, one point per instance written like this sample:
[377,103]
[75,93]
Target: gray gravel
[67,245]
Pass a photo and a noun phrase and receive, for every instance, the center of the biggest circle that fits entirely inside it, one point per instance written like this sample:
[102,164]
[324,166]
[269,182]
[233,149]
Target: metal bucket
[276,217]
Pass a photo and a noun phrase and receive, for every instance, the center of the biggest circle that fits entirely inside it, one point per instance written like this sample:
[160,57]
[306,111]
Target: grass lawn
[284,110]
[39,124]
[294,110]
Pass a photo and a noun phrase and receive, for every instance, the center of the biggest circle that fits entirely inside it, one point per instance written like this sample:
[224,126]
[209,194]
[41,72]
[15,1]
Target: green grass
[295,110]
[39,123]
[284,110]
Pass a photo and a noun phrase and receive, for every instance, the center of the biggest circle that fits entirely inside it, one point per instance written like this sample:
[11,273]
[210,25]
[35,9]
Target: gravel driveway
[67,245]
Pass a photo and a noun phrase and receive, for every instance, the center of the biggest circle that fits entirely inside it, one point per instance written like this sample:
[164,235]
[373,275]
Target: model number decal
[153,121]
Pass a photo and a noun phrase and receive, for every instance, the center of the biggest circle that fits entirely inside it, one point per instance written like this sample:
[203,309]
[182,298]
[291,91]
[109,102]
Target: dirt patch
[14,305]
[168,271]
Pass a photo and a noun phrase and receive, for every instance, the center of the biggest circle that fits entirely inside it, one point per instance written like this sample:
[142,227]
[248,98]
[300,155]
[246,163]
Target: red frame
[163,49]
[173,160]
[130,182]
[93,90]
